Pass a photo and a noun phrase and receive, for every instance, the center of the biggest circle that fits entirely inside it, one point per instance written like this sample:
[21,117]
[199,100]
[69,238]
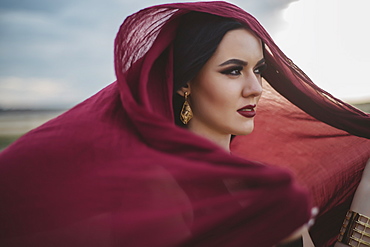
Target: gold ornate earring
[186,112]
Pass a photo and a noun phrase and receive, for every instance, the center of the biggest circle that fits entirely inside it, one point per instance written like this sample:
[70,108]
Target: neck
[220,139]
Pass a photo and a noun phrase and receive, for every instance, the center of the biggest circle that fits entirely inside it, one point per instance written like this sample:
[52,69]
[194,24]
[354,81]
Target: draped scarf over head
[116,171]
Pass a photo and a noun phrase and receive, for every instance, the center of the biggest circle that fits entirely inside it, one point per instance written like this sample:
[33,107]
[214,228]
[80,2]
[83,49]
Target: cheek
[215,94]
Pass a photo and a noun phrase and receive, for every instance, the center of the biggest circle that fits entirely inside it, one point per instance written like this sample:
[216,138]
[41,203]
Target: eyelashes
[260,69]
[237,70]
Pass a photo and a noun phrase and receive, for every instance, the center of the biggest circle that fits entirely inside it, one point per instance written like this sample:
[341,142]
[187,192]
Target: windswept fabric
[116,171]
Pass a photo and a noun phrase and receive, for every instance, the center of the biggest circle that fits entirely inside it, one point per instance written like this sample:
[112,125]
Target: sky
[55,54]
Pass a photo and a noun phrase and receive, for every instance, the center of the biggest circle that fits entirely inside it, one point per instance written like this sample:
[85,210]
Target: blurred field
[15,123]
[365,107]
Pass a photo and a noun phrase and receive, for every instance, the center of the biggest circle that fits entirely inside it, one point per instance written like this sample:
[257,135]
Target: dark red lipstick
[247,111]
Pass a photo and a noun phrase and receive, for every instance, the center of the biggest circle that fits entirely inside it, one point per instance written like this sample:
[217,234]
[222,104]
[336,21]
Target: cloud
[34,5]
[69,43]
[324,37]
[267,12]
[34,93]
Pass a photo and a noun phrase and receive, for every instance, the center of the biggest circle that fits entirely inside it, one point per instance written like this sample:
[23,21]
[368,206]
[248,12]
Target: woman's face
[224,94]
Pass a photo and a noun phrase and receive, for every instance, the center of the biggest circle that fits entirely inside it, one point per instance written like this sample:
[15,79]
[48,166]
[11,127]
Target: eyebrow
[240,62]
[234,61]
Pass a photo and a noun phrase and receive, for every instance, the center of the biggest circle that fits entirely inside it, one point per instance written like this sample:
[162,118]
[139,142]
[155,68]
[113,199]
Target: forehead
[241,44]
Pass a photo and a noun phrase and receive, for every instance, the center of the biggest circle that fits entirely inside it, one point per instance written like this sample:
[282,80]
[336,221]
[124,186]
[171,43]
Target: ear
[184,89]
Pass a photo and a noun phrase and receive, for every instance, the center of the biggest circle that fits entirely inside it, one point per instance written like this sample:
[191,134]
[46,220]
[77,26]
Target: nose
[252,86]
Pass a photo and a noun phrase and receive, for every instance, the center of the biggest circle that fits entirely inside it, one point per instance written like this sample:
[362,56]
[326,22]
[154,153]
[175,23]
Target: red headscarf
[116,171]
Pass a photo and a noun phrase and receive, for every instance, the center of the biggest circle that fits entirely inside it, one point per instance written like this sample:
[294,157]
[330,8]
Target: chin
[245,131]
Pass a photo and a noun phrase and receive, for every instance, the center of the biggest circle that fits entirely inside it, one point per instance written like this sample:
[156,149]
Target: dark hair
[197,38]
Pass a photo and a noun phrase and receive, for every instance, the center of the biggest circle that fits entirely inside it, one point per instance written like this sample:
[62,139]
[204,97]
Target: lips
[247,111]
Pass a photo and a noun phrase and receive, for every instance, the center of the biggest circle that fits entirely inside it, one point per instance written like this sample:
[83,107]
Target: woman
[224,93]
[116,171]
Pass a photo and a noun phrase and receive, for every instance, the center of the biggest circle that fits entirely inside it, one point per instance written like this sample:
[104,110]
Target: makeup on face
[225,93]
[236,69]
[247,111]
[235,66]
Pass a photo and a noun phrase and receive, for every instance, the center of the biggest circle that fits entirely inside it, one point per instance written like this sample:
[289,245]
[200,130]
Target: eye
[234,71]
[260,69]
